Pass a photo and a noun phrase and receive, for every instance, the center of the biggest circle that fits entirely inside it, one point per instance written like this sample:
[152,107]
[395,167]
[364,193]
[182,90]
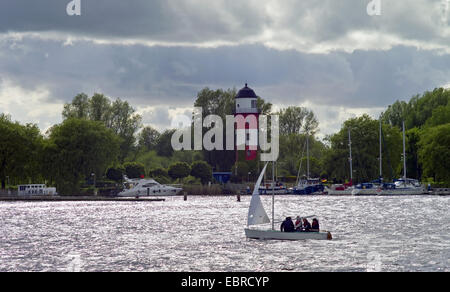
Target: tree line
[106,139]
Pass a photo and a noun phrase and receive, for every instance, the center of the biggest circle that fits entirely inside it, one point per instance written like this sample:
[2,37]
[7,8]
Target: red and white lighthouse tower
[246,116]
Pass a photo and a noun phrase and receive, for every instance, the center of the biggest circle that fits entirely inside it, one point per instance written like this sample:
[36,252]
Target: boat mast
[273,195]
[381,155]
[350,158]
[307,156]
[404,155]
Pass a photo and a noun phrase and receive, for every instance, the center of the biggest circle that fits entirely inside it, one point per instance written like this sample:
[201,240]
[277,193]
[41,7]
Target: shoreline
[162,198]
[75,199]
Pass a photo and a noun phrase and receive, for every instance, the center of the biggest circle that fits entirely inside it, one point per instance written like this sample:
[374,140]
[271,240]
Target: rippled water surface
[206,234]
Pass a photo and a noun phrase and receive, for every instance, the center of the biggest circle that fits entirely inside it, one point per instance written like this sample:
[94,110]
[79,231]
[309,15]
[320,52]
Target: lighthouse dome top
[246,92]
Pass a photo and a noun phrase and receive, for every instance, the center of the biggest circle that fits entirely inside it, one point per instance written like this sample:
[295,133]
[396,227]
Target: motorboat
[147,187]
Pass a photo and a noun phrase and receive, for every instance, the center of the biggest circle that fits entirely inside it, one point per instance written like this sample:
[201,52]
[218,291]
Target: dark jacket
[315,225]
[306,226]
[287,225]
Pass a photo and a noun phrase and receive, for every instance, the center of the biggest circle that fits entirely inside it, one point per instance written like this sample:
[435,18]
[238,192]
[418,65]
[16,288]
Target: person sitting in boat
[306,225]
[287,225]
[298,224]
[315,225]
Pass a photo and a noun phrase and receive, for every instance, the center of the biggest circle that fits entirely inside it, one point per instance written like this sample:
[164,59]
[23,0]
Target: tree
[148,138]
[118,116]
[115,173]
[434,152]
[365,150]
[418,110]
[100,108]
[241,174]
[20,149]
[201,170]
[79,108]
[164,144]
[134,169]
[76,149]
[295,120]
[179,170]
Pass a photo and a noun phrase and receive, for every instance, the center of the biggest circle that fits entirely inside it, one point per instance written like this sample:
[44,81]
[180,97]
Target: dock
[76,199]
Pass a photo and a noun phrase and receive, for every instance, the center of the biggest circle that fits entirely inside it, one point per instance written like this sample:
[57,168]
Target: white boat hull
[392,192]
[278,235]
[366,192]
[403,192]
[333,192]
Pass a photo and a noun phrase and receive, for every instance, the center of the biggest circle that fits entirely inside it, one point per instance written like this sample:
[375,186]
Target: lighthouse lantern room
[246,107]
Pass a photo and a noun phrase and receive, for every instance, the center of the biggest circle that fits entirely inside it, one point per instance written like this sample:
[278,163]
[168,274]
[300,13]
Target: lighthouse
[246,115]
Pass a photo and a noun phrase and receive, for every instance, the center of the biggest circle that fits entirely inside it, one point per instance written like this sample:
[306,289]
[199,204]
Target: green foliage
[164,144]
[134,169]
[115,173]
[179,170]
[201,170]
[242,171]
[440,116]
[118,116]
[296,120]
[76,148]
[365,148]
[158,172]
[20,150]
[419,110]
[148,138]
[434,152]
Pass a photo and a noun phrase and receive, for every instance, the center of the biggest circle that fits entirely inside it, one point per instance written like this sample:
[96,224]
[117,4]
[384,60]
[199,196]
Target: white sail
[256,212]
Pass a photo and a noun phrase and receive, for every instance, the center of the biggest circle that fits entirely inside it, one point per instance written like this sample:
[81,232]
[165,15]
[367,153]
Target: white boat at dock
[277,188]
[35,190]
[147,188]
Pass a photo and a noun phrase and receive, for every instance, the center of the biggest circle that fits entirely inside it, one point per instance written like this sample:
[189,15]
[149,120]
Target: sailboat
[403,186]
[257,216]
[308,186]
[343,189]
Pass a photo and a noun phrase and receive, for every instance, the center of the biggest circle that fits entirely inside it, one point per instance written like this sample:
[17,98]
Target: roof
[246,92]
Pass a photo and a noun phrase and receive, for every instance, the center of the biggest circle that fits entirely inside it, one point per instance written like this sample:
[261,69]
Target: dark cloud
[173,76]
[323,25]
[159,54]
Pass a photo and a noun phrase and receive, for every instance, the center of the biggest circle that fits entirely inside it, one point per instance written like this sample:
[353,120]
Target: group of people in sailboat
[301,225]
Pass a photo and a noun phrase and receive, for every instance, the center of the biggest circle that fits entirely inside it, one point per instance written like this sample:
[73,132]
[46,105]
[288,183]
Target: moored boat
[147,188]
[277,188]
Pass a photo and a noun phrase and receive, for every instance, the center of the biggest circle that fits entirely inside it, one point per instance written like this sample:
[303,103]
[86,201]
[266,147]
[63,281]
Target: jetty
[76,199]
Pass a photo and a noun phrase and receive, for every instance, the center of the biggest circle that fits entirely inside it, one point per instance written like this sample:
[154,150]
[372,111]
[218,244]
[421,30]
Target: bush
[134,169]
[179,170]
[201,170]
[158,172]
[115,173]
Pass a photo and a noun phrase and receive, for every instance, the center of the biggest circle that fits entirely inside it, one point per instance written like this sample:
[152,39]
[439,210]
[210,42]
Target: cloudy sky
[328,55]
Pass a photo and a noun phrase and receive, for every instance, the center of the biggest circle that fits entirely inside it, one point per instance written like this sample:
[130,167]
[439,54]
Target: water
[206,234]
